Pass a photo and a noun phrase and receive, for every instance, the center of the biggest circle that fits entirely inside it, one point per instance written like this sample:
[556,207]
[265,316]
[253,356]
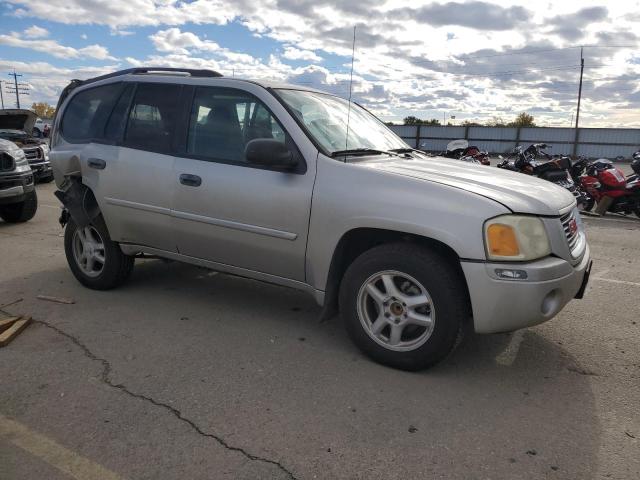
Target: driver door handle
[190,180]
[97,163]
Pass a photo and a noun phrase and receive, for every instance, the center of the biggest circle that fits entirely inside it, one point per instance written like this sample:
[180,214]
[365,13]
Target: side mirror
[269,152]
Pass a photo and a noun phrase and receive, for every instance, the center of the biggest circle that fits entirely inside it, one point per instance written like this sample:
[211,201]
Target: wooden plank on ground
[13,331]
[49,298]
[6,323]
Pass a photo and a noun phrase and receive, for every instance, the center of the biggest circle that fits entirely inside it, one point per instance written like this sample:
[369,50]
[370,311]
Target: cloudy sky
[472,59]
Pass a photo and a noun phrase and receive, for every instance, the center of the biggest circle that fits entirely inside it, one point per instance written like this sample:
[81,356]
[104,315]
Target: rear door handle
[190,180]
[96,163]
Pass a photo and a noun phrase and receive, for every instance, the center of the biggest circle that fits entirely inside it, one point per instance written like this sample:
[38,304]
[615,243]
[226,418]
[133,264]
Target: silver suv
[300,188]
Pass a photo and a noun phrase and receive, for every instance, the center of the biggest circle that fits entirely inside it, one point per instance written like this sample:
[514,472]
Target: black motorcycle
[553,169]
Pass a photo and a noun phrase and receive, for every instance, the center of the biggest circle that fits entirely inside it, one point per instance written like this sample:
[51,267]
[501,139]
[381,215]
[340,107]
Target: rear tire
[372,308]
[20,212]
[95,260]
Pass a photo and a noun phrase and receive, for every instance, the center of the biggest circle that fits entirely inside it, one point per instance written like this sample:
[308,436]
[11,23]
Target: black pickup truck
[18,200]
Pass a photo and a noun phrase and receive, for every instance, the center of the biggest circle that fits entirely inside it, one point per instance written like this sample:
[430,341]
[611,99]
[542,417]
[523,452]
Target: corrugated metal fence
[589,142]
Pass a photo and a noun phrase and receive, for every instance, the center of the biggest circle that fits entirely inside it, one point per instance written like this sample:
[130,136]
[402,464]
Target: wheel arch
[80,201]
[356,241]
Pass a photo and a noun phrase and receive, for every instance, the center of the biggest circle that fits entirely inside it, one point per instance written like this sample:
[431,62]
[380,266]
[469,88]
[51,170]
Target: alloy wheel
[88,251]
[396,310]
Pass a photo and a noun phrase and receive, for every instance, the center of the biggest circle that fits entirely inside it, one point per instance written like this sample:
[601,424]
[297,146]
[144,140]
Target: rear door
[228,211]
[139,186]
[119,135]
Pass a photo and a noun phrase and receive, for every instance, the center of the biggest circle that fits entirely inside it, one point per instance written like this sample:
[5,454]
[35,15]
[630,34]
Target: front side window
[223,121]
[152,117]
[87,113]
[326,117]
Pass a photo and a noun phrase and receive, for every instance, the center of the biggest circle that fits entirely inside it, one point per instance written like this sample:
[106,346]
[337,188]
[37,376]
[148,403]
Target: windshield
[325,117]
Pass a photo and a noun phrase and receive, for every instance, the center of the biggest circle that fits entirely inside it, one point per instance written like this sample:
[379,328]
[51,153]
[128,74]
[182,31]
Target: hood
[7,146]
[518,192]
[17,119]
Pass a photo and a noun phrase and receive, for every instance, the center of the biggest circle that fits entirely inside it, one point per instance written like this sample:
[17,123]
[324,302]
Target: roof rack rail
[143,70]
[134,71]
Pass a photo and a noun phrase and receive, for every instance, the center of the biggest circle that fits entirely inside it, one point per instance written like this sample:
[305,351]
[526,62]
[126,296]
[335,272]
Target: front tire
[20,212]
[46,179]
[404,306]
[95,260]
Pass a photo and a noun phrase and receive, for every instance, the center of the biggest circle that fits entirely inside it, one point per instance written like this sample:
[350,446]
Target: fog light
[511,274]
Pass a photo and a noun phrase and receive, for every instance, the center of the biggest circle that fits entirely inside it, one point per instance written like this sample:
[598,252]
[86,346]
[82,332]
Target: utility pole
[1,95]
[15,83]
[575,142]
[580,87]
[17,88]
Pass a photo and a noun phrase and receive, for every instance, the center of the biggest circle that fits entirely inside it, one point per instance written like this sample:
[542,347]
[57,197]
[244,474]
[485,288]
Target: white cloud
[292,53]
[55,49]
[407,60]
[36,32]
[175,41]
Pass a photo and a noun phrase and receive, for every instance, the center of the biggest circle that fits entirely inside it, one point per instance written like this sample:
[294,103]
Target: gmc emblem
[573,226]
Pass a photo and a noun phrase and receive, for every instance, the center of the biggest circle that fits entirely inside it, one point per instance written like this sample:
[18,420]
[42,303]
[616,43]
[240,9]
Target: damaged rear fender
[79,202]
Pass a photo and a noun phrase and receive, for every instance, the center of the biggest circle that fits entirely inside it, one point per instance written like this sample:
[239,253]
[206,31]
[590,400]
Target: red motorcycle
[461,150]
[608,188]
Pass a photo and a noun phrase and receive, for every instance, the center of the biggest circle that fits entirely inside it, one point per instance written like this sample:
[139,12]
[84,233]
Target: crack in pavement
[105,378]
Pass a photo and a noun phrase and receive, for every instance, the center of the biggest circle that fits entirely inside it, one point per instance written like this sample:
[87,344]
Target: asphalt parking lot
[185,373]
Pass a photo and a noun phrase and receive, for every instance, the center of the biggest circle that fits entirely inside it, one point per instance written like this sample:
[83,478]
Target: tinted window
[85,116]
[114,130]
[152,117]
[223,121]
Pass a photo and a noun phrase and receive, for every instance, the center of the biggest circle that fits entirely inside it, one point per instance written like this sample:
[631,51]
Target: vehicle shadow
[251,362]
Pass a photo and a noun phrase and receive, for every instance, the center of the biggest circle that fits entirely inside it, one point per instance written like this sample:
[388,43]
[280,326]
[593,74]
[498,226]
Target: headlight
[20,159]
[516,238]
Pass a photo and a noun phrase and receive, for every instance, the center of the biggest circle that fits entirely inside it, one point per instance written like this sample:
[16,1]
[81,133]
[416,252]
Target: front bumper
[14,187]
[41,169]
[505,305]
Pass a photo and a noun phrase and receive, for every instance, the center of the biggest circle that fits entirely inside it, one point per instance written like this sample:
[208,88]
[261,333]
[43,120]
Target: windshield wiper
[406,150]
[363,151]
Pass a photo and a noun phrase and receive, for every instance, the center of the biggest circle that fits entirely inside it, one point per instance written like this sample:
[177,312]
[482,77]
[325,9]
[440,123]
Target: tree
[523,120]
[496,122]
[433,122]
[411,120]
[43,110]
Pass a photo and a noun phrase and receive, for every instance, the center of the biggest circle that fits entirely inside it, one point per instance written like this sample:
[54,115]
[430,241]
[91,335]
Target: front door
[228,211]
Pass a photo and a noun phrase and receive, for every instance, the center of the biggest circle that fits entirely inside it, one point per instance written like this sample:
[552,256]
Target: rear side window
[114,131]
[152,117]
[87,113]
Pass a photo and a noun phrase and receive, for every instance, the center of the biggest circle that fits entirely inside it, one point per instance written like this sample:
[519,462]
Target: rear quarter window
[152,117]
[88,112]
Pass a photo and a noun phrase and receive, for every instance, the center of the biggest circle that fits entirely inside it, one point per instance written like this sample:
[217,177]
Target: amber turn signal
[502,240]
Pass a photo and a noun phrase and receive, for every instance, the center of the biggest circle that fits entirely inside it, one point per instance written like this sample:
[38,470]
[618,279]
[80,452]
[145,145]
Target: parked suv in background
[300,188]
[17,126]
[18,200]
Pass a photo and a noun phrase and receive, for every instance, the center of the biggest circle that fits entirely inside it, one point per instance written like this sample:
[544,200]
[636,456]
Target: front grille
[571,226]
[32,153]
[7,162]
